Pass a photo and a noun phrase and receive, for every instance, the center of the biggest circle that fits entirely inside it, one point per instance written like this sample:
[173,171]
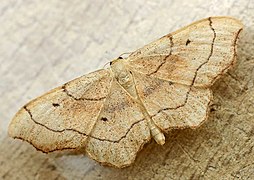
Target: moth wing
[172,105]
[93,113]
[194,55]
[173,74]
[121,130]
[64,117]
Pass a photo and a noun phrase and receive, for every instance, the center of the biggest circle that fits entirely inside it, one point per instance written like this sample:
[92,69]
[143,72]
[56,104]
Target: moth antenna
[106,64]
[124,54]
[110,62]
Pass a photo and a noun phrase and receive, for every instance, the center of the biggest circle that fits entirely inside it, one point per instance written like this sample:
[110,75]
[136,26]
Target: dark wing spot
[212,109]
[104,119]
[55,104]
[51,167]
[187,42]
[170,83]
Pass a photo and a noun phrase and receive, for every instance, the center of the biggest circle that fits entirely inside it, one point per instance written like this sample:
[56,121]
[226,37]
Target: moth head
[117,64]
[115,61]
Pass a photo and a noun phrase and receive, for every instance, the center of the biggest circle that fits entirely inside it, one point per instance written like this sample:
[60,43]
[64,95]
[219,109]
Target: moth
[111,113]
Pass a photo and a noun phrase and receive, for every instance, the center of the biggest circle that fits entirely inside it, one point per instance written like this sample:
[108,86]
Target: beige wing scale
[174,73]
[121,130]
[64,117]
[196,54]
[92,113]
[172,105]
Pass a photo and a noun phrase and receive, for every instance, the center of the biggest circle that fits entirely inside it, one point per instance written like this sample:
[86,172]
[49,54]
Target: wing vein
[82,98]
[196,72]
[81,133]
[165,58]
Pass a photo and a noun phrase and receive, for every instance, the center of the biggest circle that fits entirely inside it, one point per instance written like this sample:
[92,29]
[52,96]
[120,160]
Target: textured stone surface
[46,43]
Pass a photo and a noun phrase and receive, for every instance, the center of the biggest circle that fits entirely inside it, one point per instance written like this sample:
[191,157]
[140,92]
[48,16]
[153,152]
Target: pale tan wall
[46,43]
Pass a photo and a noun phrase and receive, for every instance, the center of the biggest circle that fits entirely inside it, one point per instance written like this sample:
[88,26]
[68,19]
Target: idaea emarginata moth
[111,113]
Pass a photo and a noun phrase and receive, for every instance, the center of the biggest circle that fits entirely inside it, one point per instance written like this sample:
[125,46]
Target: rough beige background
[46,43]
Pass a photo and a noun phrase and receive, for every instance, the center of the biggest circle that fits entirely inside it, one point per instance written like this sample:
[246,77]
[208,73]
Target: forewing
[64,117]
[172,105]
[194,55]
[93,113]
[121,130]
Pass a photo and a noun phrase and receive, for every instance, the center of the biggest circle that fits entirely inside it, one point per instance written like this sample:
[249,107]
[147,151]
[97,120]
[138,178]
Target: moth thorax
[120,72]
[123,76]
